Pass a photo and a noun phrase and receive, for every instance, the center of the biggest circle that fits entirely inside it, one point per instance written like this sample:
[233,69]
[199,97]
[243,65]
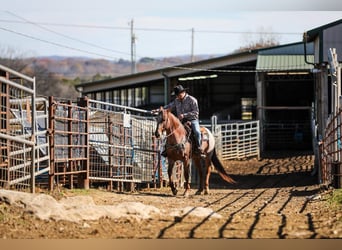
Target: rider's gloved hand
[154,111]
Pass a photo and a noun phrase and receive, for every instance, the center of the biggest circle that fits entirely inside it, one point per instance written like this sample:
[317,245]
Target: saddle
[191,137]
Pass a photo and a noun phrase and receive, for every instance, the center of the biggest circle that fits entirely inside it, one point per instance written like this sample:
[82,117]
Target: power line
[57,44]
[133,50]
[66,36]
[153,29]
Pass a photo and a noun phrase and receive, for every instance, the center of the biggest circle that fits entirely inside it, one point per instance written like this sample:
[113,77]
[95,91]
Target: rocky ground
[276,197]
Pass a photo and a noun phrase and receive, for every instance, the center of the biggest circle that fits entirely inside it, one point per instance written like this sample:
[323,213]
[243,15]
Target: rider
[186,109]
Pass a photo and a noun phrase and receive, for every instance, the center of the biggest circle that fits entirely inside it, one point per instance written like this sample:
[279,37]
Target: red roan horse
[178,148]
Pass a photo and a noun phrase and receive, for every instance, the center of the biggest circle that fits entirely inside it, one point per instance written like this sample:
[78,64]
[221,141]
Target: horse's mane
[175,119]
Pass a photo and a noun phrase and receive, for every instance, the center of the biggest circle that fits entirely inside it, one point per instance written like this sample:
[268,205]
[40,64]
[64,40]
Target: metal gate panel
[122,147]
[238,140]
[145,148]
[68,144]
[24,150]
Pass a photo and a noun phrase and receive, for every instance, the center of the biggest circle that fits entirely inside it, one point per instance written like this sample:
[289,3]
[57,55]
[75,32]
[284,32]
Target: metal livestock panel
[122,145]
[331,152]
[237,140]
[24,153]
[69,147]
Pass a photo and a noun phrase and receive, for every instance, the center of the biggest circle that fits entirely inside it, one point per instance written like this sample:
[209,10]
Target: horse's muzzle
[157,135]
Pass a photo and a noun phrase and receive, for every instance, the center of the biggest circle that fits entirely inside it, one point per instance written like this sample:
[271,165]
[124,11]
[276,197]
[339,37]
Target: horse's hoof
[174,191]
[186,193]
[199,192]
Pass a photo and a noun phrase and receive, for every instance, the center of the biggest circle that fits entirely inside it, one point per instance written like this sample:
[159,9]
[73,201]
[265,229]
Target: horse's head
[161,121]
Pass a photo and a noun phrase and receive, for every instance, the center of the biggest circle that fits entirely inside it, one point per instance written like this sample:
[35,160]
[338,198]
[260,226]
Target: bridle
[166,123]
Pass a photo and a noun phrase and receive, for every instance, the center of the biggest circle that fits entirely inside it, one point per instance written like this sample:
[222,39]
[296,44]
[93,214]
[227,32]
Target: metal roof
[288,49]
[171,71]
[283,62]
[312,34]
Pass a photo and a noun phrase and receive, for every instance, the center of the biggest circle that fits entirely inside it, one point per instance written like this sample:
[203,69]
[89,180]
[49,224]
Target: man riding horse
[186,109]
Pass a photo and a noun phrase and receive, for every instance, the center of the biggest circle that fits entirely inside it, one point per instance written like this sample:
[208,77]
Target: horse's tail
[218,166]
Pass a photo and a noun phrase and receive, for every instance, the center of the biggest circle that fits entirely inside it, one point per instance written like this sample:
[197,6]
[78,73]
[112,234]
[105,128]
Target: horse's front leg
[169,172]
[196,160]
[187,177]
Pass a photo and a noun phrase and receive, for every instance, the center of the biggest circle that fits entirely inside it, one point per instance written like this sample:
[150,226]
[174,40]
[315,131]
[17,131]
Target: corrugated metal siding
[332,38]
[283,62]
[289,49]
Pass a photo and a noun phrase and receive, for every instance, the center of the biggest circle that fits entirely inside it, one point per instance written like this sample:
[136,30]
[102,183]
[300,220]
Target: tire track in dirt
[260,203]
[250,212]
[244,199]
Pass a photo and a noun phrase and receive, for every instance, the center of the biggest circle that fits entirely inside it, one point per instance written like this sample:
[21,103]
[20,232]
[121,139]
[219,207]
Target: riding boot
[164,154]
[200,151]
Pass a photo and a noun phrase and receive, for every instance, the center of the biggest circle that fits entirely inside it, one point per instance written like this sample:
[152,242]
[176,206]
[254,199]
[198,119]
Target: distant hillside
[87,68]
[57,76]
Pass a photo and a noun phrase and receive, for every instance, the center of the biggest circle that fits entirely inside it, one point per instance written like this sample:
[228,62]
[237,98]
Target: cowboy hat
[178,89]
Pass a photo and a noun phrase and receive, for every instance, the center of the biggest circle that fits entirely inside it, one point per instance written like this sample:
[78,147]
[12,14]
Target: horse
[179,148]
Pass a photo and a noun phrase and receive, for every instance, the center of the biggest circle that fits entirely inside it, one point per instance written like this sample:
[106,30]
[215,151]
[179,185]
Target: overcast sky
[101,28]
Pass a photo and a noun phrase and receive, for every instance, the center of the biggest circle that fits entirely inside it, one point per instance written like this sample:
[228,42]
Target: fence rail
[330,151]
[237,140]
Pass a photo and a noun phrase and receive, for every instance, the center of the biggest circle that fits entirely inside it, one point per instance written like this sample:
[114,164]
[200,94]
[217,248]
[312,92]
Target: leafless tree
[47,84]
[261,39]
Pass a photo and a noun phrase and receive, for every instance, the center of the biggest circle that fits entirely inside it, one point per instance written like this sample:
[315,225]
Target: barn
[242,86]
[324,37]
[283,87]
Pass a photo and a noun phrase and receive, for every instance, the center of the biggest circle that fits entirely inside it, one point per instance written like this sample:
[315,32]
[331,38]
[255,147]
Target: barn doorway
[287,114]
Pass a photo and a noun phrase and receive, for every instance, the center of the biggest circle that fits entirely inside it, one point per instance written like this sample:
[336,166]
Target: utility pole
[133,50]
[192,44]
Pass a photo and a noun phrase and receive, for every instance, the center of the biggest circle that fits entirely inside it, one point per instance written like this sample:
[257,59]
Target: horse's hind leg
[203,167]
[206,170]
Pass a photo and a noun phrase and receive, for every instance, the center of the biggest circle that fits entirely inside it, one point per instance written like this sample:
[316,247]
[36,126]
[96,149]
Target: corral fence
[330,150]
[102,143]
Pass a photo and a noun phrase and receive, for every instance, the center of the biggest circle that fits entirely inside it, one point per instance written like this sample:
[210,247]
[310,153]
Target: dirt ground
[275,197]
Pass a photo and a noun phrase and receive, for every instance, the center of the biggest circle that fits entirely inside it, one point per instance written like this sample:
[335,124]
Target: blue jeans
[197,132]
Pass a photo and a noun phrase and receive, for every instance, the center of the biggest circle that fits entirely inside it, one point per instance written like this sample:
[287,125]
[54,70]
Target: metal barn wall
[331,39]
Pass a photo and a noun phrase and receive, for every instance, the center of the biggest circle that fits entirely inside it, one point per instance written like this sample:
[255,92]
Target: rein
[182,143]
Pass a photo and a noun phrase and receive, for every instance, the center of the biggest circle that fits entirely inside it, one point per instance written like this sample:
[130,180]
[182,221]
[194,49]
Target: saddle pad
[205,135]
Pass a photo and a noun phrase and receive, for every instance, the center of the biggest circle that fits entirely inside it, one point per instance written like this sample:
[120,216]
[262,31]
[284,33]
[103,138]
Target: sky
[102,28]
